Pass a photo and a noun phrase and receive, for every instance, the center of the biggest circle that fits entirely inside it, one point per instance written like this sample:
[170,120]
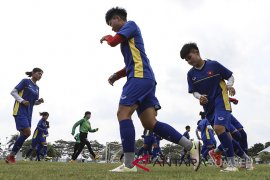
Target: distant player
[207,135]
[206,81]
[85,127]
[139,91]
[26,95]
[39,137]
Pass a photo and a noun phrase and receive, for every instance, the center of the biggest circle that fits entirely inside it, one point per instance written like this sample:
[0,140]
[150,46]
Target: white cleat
[195,154]
[123,168]
[249,164]
[230,169]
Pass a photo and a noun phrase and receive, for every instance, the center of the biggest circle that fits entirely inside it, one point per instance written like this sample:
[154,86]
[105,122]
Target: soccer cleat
[249,164]
[195,154]
[72,161]
[10,159]
[97,157]
[216,158]
[47,158]
[123,168]
[230,169]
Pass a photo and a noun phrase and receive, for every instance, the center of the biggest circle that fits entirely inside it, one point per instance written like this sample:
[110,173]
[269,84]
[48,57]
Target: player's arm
[75,125]
[201,97]
[113,40]
[118,75]
[39,101]
[93,130]
[230,87]
[197,134]
[41,127]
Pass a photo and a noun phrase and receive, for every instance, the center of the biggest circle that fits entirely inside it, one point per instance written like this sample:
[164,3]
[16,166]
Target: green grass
[53,170]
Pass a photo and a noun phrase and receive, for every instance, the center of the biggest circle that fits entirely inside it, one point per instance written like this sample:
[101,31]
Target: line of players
[206,134]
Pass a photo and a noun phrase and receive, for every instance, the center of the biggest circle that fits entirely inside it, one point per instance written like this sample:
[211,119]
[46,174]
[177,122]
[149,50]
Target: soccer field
[54,170]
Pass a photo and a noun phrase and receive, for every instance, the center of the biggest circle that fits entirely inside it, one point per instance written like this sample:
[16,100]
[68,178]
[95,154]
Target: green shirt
[85,126]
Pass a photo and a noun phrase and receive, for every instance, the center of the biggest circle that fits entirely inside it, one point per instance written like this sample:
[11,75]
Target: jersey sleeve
[224,72]
[21,85]
[190,84]
[75,125]
[128,30]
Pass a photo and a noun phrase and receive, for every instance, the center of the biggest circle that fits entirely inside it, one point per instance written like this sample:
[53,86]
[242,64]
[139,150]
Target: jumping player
[26,95]
[139,91]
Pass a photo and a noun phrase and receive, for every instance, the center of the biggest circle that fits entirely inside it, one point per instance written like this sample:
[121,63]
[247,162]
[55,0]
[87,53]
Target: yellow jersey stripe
[225,95]
[136,56]
[206,78]
[36,133]
[17,104]
[207,133]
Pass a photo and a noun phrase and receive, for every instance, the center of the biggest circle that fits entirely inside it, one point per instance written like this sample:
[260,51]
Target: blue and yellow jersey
[210,81]
[206,134]
[29,92]
[40,130]
[136,61]
[148,133]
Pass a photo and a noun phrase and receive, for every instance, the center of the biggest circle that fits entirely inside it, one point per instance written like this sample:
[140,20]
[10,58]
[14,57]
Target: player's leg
[243,140]
[22,125]
[83,138]
[90,150]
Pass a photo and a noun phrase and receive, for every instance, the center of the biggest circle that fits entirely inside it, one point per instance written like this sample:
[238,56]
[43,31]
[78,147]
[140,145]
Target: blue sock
[44,150]
[38,152]
[155,151]
[145,151]
[127,132]
[18,144]
[227,145]
[243,142]
[237,148]
[167,132]
[237,136]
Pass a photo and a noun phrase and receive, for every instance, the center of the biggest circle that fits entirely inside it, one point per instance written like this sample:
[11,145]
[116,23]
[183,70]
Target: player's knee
[219,129]
[26,132]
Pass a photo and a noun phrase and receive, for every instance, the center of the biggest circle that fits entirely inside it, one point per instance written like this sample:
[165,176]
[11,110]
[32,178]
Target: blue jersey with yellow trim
[136,61]
[210,81]
[206,134]
[29,91]
[41,129]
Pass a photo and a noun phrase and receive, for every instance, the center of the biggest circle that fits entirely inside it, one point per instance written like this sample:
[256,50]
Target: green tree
[253,151]
[267,144]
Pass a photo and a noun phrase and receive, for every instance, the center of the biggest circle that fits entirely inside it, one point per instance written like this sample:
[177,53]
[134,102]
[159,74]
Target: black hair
[86,113]
[29,73]
[187,48]
[44,114]
[202,114]
[121,12]
[199,122]
[47,124]
[187,127]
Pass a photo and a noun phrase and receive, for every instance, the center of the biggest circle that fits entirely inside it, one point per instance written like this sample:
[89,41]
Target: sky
[62,37]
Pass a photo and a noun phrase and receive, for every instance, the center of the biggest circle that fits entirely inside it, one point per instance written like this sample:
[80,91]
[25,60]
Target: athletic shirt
[206,134]
[136,61]
[148,133]
[210,81]
[41,129]
[29,92]
[186,134]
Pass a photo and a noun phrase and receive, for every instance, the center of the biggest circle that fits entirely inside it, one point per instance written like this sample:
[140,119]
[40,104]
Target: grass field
[53,170]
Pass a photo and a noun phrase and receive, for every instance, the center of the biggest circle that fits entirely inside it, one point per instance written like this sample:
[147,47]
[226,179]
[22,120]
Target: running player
[139,91]
[26,95]
[85,127]
[206,81]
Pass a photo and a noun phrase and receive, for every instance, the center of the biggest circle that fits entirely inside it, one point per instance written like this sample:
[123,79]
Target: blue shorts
[37,140]
[149,140]
[236,123]
[223,118]
[139,91]
[22,122]
[208,142]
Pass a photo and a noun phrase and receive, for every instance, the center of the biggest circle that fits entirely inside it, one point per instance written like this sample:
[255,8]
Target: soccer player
[26,95]
[139,90]
[183,151]
[206,81]
[39,137]
[85,127]
[207,135]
